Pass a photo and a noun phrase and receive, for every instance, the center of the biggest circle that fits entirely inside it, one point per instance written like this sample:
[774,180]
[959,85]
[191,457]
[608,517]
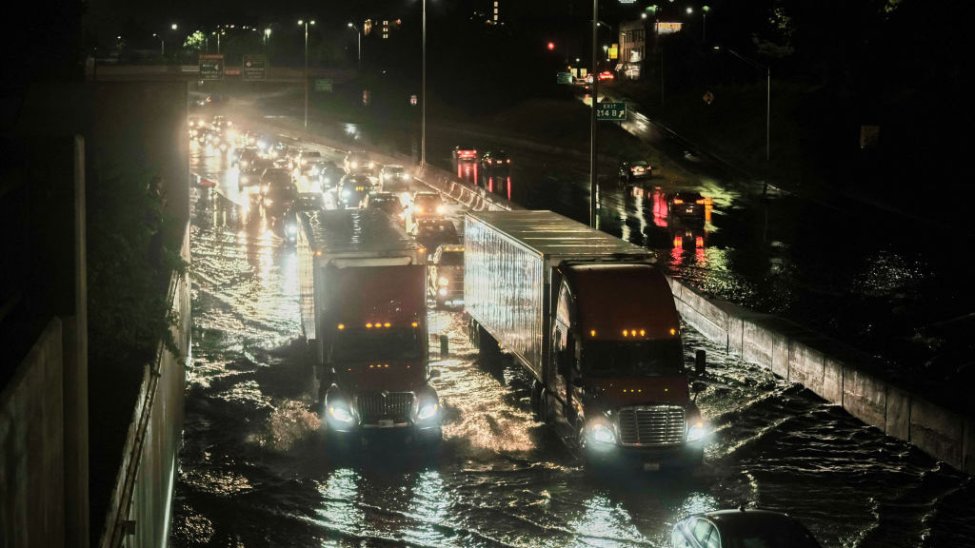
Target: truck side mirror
[700,361]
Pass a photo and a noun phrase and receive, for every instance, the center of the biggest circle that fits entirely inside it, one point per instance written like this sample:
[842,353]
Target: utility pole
[593,181]
[423,94]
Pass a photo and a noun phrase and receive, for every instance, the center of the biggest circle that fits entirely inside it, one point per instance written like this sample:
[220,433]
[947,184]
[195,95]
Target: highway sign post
[254,67]
[611,112]
[211,66]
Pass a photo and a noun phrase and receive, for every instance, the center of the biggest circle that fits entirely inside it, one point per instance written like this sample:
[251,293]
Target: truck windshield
[643,358]
[386,344]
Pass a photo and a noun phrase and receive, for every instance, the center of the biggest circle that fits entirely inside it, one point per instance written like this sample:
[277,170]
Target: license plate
[386,422]
[651,466]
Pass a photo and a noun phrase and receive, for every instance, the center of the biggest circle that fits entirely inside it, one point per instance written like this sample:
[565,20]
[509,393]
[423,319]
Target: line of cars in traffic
[286,179]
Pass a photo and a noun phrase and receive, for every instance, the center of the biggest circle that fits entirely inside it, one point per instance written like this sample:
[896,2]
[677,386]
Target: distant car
[635,170]
[326,172]
[465,153]
[387,202]
[251,175]
[280,198]
[305,201]
[275,177]
[688,205]
[741,529]
[359,162]
[306,157]
[244,156]
[430,233]
[446,275]
[353,189]
[425,205]
[496,162]
[606,76]
[395,178]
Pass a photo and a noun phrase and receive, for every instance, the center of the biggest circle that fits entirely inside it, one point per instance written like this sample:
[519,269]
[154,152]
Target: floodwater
[253,470]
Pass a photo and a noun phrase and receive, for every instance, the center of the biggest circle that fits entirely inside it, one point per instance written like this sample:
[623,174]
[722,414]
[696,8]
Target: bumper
[648,459]
[397,435]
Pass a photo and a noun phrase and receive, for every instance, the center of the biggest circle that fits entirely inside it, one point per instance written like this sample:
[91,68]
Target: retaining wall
[139,509]
[834,373]
[32,502]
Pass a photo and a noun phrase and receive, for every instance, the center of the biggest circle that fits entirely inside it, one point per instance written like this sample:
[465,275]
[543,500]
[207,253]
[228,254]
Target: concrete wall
[139,510]
[32,502]
[835,373]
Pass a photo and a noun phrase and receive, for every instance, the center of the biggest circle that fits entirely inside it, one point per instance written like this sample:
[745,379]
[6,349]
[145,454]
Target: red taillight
[678,241]
[699,241]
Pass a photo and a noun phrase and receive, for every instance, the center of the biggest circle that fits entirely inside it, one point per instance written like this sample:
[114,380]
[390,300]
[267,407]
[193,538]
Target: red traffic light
[551,46]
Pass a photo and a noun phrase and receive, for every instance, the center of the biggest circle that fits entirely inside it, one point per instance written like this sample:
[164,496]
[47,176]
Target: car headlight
[442,292]
[427,411]
[340,413]
[346,193]
[697,431]
[292,229]
[405,176]
[443,281]
[600,433]
[441,209]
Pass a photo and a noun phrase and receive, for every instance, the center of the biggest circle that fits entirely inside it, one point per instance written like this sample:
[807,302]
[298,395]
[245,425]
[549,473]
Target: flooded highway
[254,471]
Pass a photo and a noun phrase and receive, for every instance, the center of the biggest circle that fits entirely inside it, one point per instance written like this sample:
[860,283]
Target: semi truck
[363,312]
[593,321]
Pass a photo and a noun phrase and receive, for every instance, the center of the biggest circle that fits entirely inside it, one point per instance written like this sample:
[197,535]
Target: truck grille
[374,407]
[652,426]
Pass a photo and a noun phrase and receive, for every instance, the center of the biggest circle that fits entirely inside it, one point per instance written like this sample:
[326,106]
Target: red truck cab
[619,382]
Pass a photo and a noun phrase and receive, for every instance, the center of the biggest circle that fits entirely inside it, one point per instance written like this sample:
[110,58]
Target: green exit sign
[611,112]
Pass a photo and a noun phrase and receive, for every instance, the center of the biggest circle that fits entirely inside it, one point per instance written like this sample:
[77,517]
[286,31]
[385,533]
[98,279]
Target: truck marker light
[341,326]
[673,331]
[414,324]
[387,324]
[626,333]
[318,253]
[368,326]
[643,332]
[592,333]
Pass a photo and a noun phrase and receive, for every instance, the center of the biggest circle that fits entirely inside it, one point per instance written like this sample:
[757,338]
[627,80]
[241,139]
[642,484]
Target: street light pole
[423,94]
[306,23]
[354,27]
[593,182]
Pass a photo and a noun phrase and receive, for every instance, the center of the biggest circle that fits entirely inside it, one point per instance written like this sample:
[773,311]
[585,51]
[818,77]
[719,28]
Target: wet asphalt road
[253,470]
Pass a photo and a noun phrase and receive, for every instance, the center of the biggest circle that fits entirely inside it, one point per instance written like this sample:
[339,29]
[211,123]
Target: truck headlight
[340,413]
[601,434]
[442,292]
[697,431]
[443,281]
[292,229]
[428,411]
[441,210]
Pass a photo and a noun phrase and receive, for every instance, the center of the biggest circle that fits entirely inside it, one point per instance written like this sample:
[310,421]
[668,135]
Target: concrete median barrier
[836,373]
